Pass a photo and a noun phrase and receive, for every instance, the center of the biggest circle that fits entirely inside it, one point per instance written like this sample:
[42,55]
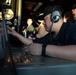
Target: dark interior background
[28,7]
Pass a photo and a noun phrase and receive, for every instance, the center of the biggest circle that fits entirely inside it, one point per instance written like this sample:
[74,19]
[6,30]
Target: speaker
[56,14]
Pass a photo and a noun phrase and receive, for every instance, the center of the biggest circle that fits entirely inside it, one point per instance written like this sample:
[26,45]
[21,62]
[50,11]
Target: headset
[56,14]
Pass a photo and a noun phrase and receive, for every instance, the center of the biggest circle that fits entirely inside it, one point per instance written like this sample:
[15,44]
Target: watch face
[8,14]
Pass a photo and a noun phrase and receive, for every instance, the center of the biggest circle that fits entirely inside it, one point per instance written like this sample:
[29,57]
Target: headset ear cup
[55,16]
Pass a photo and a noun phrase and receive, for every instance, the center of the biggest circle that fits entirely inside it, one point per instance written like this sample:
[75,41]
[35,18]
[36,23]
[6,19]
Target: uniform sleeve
[42,40]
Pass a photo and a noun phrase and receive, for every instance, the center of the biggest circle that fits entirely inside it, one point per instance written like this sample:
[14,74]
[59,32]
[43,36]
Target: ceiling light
[40,14]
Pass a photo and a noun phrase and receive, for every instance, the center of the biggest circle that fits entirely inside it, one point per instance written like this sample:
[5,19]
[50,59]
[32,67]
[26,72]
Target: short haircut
[49,9]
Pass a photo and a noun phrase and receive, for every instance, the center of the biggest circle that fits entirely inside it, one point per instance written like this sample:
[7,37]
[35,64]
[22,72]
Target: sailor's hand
[35,49]
[11,31]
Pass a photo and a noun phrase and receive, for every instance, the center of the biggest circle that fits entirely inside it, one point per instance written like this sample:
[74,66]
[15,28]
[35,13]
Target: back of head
[55,11]
[29,21]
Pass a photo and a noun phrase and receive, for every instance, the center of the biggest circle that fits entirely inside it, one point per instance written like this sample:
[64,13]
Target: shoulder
[70,25]
[31,26]
[70,28]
